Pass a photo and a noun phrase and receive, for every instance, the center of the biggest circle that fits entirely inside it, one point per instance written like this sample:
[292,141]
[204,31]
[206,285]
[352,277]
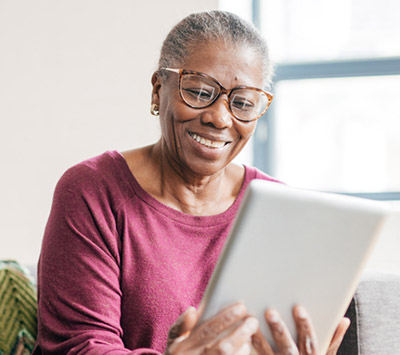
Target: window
[334,123]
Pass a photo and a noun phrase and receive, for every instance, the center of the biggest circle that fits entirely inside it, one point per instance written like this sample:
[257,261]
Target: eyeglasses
[199,90]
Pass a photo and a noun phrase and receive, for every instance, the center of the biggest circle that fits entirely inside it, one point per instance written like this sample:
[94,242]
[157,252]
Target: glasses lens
[248,104]
[198,91]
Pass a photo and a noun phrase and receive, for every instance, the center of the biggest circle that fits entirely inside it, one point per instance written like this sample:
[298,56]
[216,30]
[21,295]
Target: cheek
[174,110]
[172,121]
[246,130]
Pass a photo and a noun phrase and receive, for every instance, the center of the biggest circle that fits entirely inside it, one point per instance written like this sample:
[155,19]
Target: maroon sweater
[118,267]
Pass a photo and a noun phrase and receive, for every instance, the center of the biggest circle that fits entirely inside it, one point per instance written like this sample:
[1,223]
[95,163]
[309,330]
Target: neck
[189,192]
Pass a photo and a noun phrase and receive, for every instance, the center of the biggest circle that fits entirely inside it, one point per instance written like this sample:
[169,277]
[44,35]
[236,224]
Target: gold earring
[154,109]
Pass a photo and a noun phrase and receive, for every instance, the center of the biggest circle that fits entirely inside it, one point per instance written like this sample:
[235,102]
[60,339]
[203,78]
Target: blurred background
[75,82]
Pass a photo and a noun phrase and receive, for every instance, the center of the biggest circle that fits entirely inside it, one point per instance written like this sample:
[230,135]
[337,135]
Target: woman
[133,238]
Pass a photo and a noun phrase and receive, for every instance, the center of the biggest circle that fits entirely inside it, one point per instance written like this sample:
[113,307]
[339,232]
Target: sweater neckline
[205,221]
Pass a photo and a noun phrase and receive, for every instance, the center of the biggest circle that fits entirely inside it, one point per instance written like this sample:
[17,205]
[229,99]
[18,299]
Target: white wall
[74,82]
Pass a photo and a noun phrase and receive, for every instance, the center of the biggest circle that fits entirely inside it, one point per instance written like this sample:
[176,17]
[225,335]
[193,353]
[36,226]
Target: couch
[375,317]
[374,312]
[18,305]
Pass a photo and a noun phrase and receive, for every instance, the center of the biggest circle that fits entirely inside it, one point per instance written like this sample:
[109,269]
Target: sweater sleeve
[79,307]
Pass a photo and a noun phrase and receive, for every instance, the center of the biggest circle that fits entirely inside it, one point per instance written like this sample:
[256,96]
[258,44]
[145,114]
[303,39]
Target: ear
[155,94]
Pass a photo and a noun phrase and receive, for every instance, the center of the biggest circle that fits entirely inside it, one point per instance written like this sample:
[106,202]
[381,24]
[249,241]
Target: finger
[280,333]
[184,324]
[212,328]
[245,349]
[260,344]
[203,337]
[306,338]
[234,341]
[338,336]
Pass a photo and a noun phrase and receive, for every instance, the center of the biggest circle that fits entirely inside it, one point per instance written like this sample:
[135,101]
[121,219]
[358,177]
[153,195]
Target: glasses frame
[227,92]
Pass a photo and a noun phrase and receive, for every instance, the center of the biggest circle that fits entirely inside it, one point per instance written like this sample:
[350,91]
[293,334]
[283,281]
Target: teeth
[207,142]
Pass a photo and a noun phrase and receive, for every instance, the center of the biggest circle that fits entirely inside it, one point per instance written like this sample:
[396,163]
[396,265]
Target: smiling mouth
[206,142]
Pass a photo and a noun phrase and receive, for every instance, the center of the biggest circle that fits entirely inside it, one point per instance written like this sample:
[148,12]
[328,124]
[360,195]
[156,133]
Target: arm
[79,308]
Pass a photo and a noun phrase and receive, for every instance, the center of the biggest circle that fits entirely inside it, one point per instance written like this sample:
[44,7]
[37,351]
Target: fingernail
[273,316]
[251,325]
[190,309]
[301,312]
[226,348]
[244,349]
[238,309]
[181,338]
[187,311]
[308,345]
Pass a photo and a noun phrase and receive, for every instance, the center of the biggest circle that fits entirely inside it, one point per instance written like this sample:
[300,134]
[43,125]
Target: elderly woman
[133,238]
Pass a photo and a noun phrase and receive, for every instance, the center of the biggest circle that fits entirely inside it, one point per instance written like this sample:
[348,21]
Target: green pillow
[18,307]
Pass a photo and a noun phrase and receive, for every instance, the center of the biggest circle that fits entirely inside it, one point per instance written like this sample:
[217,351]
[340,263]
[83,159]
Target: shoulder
[86,173]
[254,173]
[103,176]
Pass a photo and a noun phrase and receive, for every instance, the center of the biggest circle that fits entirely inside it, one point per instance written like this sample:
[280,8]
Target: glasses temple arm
[171,69]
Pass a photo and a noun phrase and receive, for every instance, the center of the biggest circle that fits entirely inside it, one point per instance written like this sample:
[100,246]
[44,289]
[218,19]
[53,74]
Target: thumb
[183,325]
[338,336]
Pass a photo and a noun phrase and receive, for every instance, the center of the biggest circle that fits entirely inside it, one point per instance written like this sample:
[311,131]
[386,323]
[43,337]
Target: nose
[218,114]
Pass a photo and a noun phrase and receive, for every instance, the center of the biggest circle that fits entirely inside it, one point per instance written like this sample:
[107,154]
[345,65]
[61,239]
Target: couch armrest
[375,315]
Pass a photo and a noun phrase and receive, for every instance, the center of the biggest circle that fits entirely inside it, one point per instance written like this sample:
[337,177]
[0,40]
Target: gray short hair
[206,27]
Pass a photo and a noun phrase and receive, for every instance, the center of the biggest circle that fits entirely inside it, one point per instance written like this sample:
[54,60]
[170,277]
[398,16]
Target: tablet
[292,246]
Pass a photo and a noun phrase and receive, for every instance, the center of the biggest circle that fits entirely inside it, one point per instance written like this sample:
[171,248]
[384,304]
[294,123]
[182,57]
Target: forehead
[230,64]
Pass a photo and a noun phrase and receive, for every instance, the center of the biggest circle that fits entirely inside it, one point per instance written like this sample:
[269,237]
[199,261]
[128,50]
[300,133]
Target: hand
[306,338]
[229,332]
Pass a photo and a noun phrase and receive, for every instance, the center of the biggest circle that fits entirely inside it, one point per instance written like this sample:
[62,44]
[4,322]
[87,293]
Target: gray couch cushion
[375,316]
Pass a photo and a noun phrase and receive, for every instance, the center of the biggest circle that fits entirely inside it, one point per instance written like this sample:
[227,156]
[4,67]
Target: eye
[200,94]
[241,103]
